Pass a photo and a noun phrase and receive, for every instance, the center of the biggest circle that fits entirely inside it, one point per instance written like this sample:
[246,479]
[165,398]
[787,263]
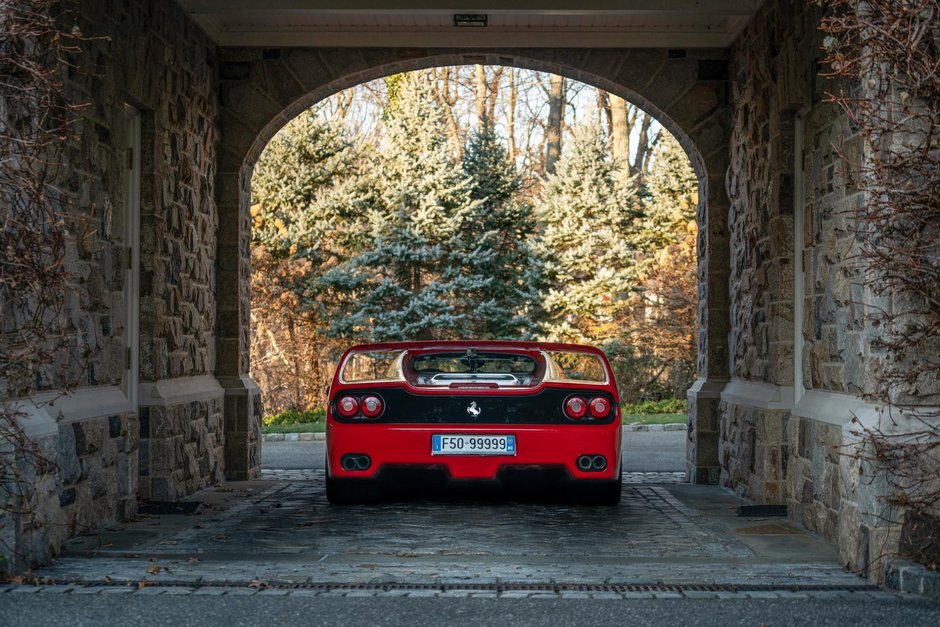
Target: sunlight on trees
[472,201]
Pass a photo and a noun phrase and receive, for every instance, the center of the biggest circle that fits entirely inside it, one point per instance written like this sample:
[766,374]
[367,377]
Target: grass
[654,419]
[300,427]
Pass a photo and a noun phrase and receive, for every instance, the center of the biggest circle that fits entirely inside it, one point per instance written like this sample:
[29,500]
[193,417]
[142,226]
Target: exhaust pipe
[355,461]
[592,463]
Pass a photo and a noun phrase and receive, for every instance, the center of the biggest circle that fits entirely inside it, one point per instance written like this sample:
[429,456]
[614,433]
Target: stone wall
[150,55]
[774,449]
[86,479]
[774,67]
[181,438]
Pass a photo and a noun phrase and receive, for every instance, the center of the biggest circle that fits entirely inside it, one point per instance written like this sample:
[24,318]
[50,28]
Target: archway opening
[483,202]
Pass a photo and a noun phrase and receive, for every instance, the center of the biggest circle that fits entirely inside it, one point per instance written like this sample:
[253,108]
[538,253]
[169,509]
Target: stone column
[242,405]
[702,463]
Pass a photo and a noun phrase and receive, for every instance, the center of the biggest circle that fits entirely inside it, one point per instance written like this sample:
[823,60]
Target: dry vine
[890,50]
[35,124]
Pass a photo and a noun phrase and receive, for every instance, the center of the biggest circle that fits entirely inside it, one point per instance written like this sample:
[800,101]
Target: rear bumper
[553,449]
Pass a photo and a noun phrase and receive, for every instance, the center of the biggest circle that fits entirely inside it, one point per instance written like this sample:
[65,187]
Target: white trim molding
[706,388]
[42,414]
[168,392]
[758,394]
[832,407]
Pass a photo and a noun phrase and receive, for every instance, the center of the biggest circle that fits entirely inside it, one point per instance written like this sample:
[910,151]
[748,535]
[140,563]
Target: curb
[906,576]
[675,426]
[320,437]
[293,437]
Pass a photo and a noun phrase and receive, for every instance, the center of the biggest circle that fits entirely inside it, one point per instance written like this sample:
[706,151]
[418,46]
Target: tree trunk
[511,116]
[644,146]
[448,102]
[603,112]
[481,88]
[492,93]
[619,131]
[556,107]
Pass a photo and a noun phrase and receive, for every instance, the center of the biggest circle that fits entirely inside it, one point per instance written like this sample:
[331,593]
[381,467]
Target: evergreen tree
[412,279]
[587,242]
[672,196]
[497,241]
[308,192]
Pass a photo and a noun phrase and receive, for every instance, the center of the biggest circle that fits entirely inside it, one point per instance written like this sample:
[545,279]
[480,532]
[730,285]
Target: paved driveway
[283,531]
[278,541]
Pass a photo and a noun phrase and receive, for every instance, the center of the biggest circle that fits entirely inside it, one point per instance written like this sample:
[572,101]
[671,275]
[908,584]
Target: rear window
[476,362]
[371,366]
[472,368]
[576,366]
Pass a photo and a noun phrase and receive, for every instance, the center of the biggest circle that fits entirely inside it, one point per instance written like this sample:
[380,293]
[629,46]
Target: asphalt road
[24,610]
[650,451]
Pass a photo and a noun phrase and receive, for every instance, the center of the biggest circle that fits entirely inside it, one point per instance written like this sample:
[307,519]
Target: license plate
[472,444]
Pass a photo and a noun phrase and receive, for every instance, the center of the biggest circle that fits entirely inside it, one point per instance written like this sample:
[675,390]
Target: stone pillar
[702,463]
[242,405]
[242,425]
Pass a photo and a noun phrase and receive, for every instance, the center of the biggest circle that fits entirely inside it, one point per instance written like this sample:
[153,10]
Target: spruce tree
[410,282]
[307,190]
[497,241]
[588,219]
[672,196]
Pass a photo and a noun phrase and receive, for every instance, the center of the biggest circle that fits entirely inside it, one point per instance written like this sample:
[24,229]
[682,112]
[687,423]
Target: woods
[472,201]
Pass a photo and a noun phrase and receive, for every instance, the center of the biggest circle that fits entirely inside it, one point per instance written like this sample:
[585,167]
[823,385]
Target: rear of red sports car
[466,412]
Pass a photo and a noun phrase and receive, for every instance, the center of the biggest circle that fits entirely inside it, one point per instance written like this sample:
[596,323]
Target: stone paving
[280,536]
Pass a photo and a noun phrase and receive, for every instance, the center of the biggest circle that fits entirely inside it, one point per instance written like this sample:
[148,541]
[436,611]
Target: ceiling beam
[534,7]
[461,38]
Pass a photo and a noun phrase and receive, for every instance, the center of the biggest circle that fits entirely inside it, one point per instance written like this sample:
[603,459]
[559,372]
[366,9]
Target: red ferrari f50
[466,411]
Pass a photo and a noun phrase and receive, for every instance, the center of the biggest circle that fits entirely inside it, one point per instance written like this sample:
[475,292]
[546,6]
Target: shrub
[293,417]
[665,406]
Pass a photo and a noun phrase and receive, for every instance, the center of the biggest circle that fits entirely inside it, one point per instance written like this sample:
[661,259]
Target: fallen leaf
[107,579]
[154,570]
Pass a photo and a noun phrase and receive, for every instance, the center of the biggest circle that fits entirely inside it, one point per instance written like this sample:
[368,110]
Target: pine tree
[308,191]
[410,281]
[587,245]
[497,242]
[672,196]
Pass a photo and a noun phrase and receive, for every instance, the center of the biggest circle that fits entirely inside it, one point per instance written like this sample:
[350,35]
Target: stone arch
[262,89]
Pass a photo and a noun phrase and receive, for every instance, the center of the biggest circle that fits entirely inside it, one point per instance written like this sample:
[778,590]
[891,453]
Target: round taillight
[372,406]
[575,407]
[347,406]
[600,406]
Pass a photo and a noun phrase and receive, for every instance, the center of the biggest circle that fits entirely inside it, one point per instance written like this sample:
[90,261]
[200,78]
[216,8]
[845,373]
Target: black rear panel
[544,407]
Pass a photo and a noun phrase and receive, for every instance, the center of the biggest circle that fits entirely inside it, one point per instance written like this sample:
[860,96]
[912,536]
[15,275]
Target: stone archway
[262,89]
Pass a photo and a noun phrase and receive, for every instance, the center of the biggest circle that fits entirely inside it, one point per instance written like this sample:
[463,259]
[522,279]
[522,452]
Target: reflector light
[575,407]
[600,407]
[372,406]
[347,406]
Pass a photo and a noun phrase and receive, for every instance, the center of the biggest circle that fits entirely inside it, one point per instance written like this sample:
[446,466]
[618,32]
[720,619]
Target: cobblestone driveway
[281,531]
